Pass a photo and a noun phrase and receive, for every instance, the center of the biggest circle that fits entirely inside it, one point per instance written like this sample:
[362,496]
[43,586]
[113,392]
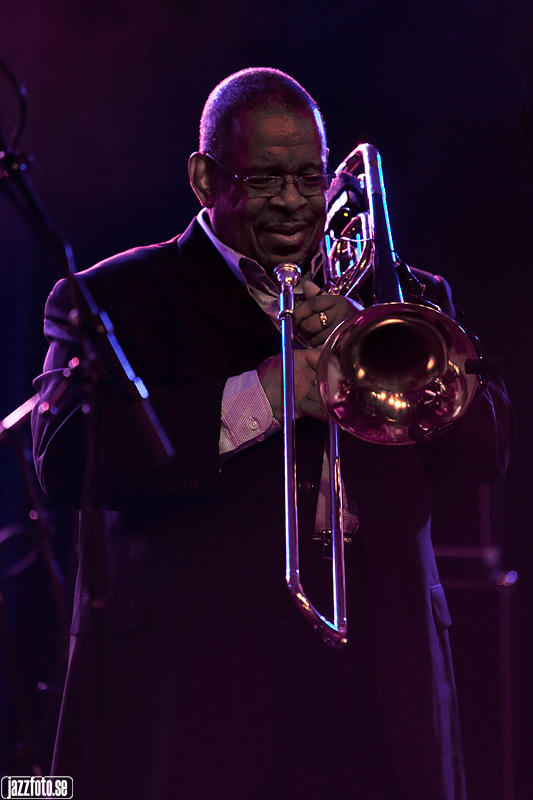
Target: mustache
[289,222]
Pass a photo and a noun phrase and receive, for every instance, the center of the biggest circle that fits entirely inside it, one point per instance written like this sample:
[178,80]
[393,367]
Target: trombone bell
[395,373]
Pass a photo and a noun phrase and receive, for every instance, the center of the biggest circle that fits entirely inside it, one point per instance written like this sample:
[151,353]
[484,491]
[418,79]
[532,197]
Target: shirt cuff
[246,414]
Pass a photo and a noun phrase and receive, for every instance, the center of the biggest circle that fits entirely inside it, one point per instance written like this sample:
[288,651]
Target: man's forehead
[276,126]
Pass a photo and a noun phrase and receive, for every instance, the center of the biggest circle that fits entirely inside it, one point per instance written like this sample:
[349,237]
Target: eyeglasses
[273,185]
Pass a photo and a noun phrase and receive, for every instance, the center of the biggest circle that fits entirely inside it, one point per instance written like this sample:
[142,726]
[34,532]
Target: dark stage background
[443,89]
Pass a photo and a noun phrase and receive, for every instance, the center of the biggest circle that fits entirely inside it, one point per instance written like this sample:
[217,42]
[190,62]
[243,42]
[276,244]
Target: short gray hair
[249,89]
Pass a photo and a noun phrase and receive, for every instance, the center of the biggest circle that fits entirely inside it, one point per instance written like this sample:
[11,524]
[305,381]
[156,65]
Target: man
[198,679]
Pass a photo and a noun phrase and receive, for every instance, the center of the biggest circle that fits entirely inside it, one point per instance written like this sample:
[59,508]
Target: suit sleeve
[116,434]
[479,445]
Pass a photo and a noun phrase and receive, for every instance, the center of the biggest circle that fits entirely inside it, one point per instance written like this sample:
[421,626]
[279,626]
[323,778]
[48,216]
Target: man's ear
[201,179]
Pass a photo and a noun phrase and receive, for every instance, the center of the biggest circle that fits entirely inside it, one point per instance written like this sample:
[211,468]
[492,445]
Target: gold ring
[323,319]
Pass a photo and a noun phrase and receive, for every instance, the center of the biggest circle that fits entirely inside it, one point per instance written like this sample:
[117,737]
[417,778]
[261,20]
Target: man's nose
[289,195]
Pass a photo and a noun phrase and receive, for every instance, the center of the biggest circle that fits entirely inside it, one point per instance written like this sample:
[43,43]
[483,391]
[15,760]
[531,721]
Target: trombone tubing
[333,633]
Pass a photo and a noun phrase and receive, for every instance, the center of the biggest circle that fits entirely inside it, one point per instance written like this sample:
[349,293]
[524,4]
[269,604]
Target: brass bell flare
[395,373]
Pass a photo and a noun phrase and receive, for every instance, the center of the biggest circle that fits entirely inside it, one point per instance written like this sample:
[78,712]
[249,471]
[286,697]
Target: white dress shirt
[246,414]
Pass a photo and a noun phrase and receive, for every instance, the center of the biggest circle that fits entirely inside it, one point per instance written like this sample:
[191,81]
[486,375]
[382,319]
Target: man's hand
[319,314]
[307,402]
[315,318]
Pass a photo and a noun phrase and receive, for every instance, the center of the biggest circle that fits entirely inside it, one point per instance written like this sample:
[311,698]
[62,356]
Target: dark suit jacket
[180,688]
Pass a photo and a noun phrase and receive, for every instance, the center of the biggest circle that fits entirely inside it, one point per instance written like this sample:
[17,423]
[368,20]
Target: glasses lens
[264,185]
[309,185]
[272,185]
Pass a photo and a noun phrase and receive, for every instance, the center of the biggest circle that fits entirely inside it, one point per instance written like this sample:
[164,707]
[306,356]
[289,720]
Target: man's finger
[310,289]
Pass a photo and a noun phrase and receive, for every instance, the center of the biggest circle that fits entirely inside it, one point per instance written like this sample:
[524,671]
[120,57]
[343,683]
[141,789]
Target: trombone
[395,373]
[333,632]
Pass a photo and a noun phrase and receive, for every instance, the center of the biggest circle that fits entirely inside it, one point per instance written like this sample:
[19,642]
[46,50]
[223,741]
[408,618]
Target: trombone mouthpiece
[287,274]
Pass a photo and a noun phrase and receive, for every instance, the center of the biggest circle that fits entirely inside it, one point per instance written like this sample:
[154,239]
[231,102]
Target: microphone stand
[98,343]
[41,531]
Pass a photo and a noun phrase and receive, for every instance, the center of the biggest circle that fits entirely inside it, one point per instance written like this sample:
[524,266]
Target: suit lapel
[218,292]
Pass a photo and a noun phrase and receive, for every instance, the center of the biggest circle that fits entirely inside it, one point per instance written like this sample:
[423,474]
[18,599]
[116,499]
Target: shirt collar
[247,270]
[230,256]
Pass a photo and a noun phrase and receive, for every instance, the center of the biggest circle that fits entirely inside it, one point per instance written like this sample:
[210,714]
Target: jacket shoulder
[145,257]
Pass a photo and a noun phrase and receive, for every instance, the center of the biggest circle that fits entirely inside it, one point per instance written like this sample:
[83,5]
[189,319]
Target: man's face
[271,230]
